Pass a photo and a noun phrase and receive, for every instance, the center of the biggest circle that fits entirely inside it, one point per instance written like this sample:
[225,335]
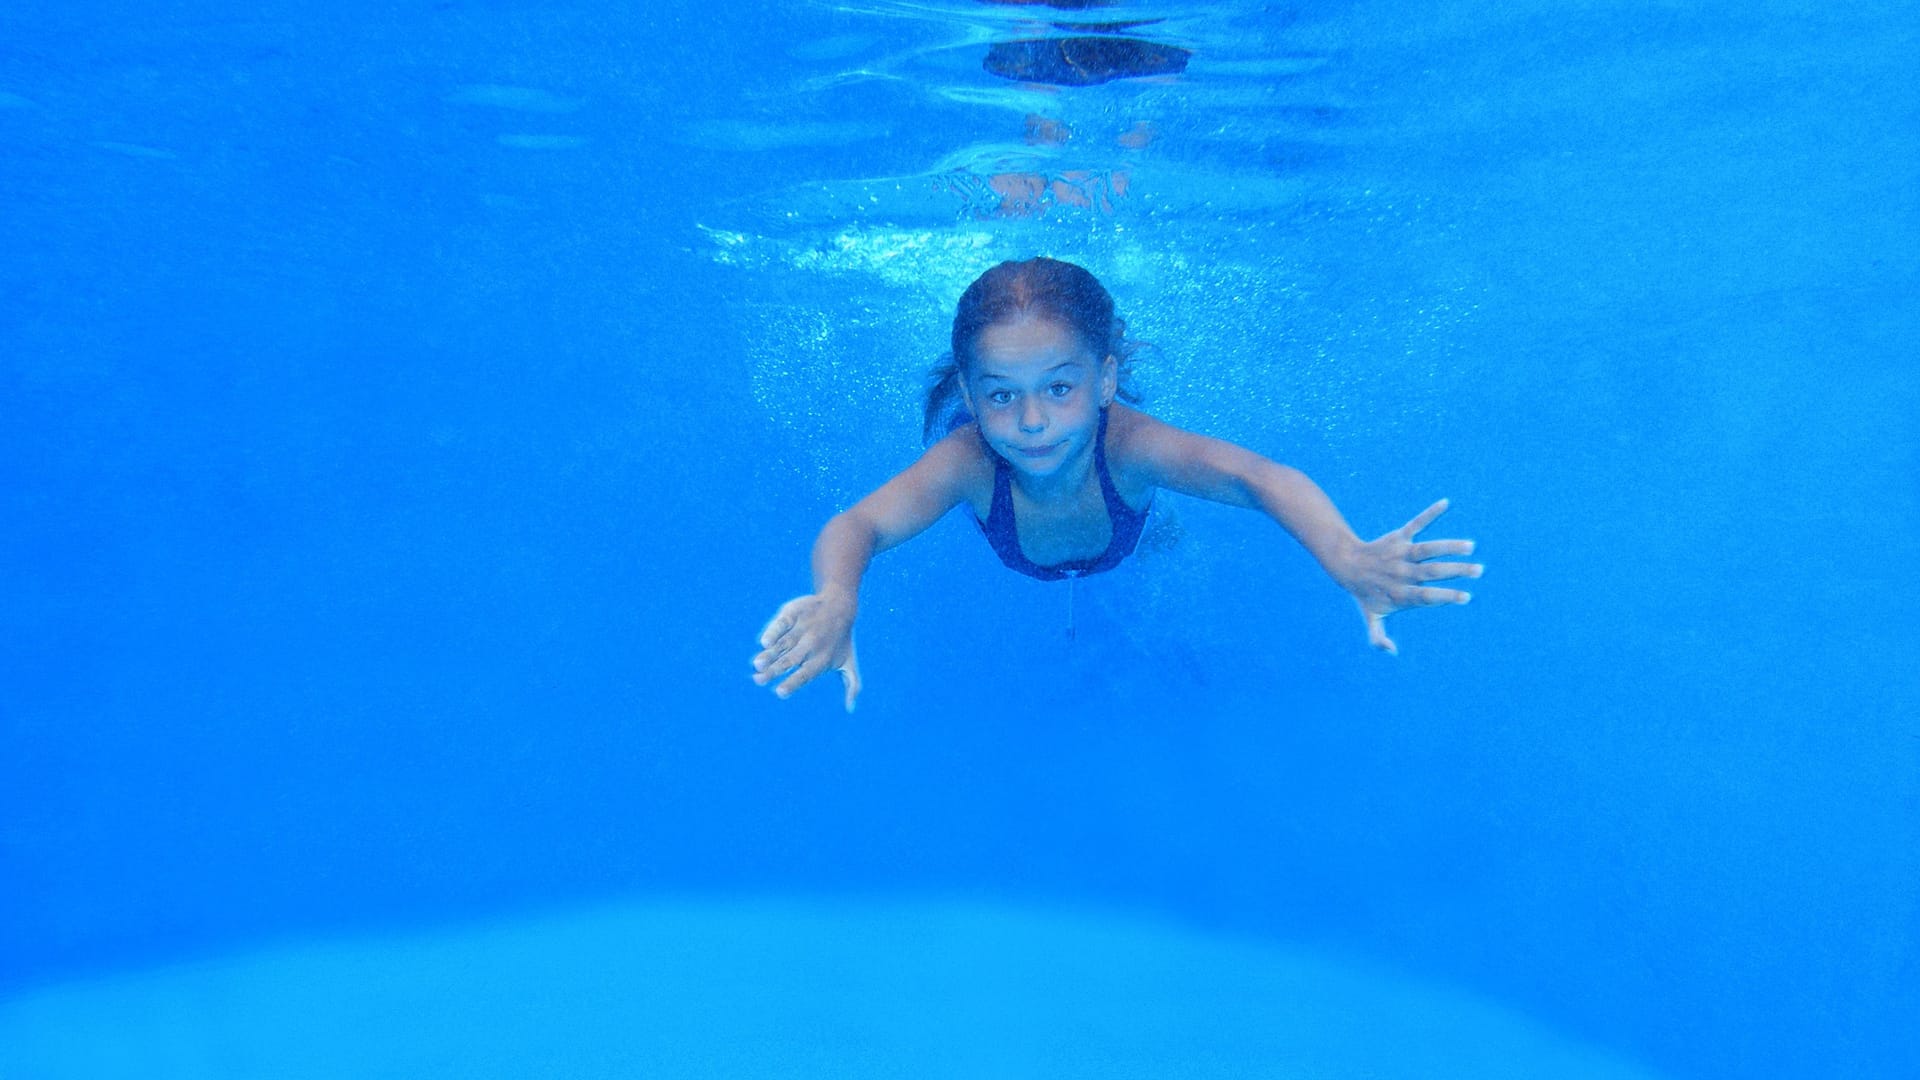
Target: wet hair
[1040,287]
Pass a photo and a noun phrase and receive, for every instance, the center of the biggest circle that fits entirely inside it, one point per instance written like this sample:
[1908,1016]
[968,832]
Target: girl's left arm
[1384,576]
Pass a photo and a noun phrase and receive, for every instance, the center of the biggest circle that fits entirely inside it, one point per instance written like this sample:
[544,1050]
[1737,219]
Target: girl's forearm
[841,555]
[1291,498]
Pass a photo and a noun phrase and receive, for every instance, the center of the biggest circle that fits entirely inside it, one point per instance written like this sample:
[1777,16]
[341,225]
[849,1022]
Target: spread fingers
[769,666]
[1425,518]
[1440,571]
[779,625]
[1433,549]
[803,675]
[789,651]
[1426,597]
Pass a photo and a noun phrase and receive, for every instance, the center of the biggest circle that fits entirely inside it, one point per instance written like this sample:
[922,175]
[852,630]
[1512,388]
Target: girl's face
[1037,393]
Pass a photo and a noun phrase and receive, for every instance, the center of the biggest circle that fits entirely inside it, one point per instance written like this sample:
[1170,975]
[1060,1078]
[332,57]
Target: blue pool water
[409,416]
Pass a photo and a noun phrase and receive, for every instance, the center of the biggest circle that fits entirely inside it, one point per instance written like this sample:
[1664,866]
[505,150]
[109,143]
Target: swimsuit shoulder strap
[1117,507]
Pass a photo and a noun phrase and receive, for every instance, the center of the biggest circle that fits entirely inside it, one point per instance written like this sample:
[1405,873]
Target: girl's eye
[1000,397]
[1061,389]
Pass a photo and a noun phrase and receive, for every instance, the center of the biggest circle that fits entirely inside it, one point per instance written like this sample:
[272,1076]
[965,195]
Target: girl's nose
[1033,419]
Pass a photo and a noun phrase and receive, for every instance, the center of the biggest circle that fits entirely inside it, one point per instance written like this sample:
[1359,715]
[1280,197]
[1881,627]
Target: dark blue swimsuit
[1005,537]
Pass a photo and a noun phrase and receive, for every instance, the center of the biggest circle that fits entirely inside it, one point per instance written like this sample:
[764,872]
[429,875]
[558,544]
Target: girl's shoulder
[1130,433]
[1131,438]
[963,462]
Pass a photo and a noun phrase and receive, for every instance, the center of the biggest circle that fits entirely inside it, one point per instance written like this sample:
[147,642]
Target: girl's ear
[1109,380]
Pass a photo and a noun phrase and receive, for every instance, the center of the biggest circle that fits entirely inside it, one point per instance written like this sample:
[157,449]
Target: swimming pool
[411,417]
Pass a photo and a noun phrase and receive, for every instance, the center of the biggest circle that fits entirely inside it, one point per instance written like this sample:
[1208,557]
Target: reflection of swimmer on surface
[1031,194]
[1063,5]
[1096,53]
[1046,131]
[1083,61]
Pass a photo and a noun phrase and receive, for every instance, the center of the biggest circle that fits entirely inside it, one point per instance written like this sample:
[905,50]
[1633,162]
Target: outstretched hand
[1390,574]
[809,636]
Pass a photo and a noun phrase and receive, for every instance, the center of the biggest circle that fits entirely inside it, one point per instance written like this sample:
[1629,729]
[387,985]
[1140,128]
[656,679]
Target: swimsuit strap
[1108,492]
[1127,522]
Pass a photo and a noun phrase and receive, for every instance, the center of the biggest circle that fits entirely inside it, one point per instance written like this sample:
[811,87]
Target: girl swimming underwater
[1058,475]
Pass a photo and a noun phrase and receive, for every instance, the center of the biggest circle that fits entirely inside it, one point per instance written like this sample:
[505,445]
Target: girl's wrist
[1343,562]
[836,593]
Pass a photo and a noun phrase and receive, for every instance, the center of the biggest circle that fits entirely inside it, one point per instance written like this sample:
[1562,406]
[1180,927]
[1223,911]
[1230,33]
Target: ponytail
[946,407]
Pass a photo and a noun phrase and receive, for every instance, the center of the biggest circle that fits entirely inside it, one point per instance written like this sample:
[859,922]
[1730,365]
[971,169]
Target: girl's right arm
[813,634]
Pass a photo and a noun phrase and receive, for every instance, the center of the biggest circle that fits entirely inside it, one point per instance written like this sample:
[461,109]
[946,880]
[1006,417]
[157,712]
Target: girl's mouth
[1041,451]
